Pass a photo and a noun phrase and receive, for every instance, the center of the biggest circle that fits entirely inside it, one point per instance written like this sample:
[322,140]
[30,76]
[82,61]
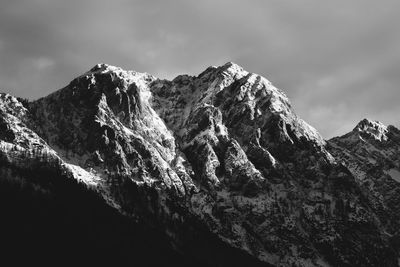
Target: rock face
[371,153]
[217,168]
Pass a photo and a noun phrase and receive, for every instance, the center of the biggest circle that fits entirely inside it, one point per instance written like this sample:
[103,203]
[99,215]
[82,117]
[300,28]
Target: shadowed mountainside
[214,169]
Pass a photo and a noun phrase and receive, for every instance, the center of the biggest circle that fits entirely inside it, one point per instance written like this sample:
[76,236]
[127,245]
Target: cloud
[42,63]
[337,61]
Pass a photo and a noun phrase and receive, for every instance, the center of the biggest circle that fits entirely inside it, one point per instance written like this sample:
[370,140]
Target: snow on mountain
[371,152]
[219,163]
[374,129]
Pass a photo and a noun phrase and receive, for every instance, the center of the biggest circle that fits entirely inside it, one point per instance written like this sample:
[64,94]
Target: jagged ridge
[221,154]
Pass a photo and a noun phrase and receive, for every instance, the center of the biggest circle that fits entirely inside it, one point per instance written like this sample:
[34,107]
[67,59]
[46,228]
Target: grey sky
[338,61]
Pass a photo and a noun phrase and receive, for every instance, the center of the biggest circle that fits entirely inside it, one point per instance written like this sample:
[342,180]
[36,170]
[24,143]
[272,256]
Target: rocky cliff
[216,168]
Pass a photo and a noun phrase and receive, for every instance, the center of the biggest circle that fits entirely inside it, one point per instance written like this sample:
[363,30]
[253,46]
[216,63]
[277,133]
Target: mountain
[207,170]
[371,153]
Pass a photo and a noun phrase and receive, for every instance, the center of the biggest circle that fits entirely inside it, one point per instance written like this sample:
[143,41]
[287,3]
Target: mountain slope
[218,164]
[371,152]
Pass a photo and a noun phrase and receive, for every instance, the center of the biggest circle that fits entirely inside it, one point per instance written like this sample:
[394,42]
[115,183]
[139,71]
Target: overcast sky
[338,61]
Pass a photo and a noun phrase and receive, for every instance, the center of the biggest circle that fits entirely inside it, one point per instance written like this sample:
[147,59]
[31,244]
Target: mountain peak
[374,129]
[230,64]
[232,67]
[100,66]
[221,154]
[105,68]
[118,72]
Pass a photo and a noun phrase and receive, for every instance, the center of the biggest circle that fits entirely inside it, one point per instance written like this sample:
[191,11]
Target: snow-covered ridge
[224,149]
[127,75]
[374,129]
[27,148]
[10,104]
[177,100]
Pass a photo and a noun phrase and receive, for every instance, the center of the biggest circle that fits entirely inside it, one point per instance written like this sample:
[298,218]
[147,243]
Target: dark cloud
[338,61]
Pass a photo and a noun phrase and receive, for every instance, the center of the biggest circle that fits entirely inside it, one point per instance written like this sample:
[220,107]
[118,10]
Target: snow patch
[395,174]
[81,174]
[375,129]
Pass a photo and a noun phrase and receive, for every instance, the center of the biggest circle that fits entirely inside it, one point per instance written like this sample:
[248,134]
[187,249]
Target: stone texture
[219,163]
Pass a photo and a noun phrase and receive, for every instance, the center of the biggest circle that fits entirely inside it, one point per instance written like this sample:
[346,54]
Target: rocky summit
[208,170]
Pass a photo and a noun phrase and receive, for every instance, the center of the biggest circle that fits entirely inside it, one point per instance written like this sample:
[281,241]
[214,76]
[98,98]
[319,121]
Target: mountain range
[122,167]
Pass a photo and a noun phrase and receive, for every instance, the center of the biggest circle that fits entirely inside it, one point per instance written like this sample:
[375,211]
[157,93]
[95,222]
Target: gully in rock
[207,170]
